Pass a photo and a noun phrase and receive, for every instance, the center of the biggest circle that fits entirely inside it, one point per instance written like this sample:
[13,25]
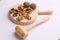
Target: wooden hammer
[23,32]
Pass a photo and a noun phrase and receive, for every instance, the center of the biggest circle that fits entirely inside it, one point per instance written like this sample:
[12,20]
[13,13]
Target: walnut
[28,17]
[16,10]
[20,8]
[21,13]
[26,4]
[12,10]
[33,6]
[15,14]
[24,15]
[19,18]
[28,10]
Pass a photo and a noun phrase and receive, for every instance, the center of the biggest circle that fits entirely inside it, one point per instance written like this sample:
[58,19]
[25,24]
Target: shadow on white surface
[18,36]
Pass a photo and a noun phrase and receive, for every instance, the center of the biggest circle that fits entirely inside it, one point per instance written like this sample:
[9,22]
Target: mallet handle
[37,23]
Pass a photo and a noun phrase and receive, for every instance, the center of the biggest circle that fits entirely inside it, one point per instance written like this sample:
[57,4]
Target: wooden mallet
[23,31]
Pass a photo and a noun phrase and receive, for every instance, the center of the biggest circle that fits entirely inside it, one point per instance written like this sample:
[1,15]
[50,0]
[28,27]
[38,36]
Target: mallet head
[22,32]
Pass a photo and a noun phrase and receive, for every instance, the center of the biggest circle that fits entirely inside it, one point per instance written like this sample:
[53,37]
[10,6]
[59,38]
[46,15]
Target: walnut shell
[33,6]
[26,4]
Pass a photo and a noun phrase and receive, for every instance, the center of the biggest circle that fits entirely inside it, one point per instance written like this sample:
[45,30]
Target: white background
[50,30]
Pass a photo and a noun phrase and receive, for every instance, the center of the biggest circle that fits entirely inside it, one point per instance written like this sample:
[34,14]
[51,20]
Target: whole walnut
[26,4]
[33,6]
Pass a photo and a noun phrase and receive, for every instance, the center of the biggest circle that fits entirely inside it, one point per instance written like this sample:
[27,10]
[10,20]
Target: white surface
[47,31]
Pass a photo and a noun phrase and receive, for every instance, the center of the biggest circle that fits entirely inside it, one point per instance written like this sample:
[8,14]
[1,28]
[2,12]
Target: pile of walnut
[23,11]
